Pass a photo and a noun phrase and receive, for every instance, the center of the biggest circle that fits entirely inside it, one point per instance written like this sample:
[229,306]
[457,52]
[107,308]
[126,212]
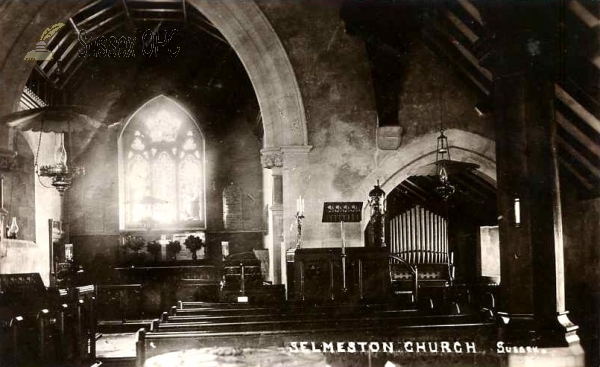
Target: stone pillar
[521,59]
[272,159]
[289,173]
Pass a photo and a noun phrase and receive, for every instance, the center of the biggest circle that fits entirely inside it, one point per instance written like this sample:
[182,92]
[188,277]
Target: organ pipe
[419,236]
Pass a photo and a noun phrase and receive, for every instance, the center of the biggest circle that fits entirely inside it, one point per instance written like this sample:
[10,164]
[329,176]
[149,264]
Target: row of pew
[46,327]
[193,325]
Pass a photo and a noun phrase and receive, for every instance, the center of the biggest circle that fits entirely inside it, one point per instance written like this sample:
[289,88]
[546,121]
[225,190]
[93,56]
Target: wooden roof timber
[584,181]
[579,157]
[593,146]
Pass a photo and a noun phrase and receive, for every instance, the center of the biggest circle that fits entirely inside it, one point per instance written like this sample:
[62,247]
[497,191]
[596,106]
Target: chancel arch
[244,27]
[242,24]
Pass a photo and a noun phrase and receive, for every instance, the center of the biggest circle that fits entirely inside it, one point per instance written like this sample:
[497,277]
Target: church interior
[299,183]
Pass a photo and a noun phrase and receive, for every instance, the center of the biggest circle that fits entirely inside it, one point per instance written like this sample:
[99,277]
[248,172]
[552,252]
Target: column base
[557,331]
[524,330]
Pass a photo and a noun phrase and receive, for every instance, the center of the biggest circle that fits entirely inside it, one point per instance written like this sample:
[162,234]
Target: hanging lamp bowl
[452,167]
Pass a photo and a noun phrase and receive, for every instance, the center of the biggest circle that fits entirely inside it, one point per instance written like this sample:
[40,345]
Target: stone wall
[334,77]
[19,190]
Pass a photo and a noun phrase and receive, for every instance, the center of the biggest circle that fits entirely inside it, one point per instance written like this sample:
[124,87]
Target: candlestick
[299,218]
[300,205]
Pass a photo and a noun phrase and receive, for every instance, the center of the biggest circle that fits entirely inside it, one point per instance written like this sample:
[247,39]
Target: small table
[234,357]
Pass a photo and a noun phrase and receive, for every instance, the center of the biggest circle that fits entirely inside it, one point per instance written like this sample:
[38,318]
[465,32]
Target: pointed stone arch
[242,23]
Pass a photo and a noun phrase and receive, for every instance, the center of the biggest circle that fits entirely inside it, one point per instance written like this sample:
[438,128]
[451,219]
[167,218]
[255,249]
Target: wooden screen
[419,237]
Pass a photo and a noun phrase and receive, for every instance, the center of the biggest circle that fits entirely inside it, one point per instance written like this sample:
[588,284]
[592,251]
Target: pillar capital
[271,158]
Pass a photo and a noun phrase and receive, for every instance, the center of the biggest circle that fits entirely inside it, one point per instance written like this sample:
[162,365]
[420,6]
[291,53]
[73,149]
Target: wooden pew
[78,326]
[42,327]
[119,301]
[306,315]
[28,316]
[303,323]
[154,343]
[292,308]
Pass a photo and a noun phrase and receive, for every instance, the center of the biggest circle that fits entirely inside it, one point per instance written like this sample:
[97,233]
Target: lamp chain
[37,154]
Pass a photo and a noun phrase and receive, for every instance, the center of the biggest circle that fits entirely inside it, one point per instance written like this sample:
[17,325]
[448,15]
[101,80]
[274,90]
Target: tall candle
[517,211]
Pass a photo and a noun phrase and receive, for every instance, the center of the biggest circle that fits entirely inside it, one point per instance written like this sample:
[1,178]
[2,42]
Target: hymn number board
[342,211]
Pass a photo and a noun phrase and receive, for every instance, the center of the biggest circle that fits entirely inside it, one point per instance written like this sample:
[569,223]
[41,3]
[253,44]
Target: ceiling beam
[55,49]
[596,61]
[458,64]
[472,10]
[209,32]
[583,14]
[151,10]
[127,10]
[410,193]
[584,181]
[96,15]
[74,26]
[586,116]
[156,1]
[471,58]
[79,65]
[91,5]
[465,182]
[415,186]
[462,27]
[584,161]
[577,134]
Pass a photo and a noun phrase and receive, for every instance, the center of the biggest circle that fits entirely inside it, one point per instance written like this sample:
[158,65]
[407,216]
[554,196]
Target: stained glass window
[162,168]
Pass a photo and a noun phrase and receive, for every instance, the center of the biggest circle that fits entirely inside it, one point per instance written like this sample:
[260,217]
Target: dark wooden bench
[308,322]
[41,327]
[27,314]
[150,344]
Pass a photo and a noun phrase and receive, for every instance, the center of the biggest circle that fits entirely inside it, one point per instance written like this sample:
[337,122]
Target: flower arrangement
[154,248]
[134,243]
[193,243]
[173,248]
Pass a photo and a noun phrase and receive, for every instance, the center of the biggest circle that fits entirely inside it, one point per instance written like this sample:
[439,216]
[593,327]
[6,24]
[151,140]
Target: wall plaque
[232,207]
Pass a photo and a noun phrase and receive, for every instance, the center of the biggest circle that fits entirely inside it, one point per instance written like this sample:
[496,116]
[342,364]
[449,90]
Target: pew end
[140,348]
